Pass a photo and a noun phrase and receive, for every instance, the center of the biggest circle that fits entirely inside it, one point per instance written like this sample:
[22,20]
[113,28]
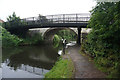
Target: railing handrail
[59,15]
[60,18]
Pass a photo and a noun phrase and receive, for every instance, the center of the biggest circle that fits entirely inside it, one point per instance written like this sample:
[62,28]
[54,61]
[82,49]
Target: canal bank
[63,68]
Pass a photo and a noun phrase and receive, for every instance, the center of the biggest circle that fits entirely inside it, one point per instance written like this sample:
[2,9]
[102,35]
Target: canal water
[28,61]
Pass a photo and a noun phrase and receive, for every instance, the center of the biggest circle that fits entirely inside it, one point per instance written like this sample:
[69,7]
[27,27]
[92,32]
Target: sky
[32,8]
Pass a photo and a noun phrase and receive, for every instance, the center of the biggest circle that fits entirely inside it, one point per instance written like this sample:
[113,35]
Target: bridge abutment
[79,36]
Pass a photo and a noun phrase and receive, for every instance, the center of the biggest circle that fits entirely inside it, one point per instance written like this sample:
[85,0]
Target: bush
[56,41]
[67,34]
[103,42]
[35,39]
[8,39]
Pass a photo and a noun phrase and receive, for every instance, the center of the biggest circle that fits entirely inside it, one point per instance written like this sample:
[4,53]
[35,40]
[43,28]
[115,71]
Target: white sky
[30,8]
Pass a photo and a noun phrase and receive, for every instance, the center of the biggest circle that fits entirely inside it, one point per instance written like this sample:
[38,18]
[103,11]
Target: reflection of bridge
[30,69]
[34,70]
[53,21]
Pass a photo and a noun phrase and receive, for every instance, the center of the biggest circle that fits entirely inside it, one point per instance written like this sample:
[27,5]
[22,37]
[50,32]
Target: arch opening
[49,34]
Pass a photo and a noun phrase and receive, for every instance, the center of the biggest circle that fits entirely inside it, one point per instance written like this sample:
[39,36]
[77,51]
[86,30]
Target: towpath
[84,68]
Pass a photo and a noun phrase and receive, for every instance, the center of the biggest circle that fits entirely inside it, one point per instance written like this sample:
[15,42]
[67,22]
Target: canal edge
[67,56]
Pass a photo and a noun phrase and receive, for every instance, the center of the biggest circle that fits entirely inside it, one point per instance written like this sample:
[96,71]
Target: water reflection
[26,62]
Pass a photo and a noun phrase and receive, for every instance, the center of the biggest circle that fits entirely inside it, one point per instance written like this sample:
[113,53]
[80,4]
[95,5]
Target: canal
[28,61]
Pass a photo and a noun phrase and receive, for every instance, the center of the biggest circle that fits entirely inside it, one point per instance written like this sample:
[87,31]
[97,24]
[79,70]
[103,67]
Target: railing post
[76,18]
[33,20]
[63,18]
[57,20]
[39,17]
[68,20]
[52,18]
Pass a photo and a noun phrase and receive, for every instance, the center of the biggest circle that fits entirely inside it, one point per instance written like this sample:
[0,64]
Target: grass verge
[62,69]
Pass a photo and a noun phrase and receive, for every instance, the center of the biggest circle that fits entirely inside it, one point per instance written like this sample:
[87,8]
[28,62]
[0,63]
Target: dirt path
[83,67]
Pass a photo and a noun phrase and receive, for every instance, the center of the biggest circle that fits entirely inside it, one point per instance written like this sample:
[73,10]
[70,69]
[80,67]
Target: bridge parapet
[61,19]
[68,18]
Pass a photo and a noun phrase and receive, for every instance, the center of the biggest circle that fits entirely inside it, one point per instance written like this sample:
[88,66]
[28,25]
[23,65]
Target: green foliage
[13,17]
[63,34]
[62,69]
[56,41]
[67,34]
[14,21]
[103,42]
[35,39]
[14,25]
[0,24]
[8,39]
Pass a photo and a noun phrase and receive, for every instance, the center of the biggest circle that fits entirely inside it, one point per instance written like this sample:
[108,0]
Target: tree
[105,24]
[14,25]
[103,41]
[13,17]
[13,21]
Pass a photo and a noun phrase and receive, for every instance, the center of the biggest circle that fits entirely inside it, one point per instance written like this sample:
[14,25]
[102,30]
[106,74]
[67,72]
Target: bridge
[61,20]
[56,21]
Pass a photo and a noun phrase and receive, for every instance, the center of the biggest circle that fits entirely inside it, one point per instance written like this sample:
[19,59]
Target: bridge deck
[52,25]
[61,20]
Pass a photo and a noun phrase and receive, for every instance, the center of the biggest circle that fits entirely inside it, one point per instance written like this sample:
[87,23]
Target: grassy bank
[9,40]
[62,69]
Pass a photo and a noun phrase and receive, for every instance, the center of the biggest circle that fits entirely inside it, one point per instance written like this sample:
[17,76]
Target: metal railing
[61,18]
[52,19]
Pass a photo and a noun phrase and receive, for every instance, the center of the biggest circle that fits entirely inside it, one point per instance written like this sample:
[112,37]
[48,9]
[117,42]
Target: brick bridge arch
[46,31]
[49,33]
